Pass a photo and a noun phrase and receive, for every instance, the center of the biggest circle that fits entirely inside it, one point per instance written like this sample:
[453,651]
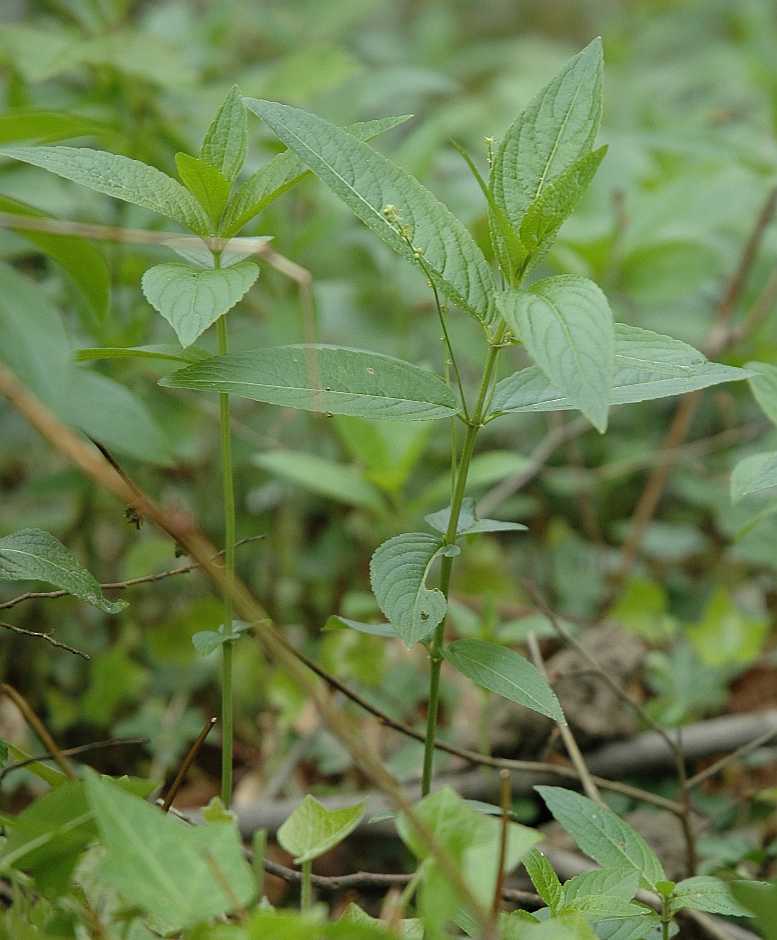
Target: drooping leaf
[398,573]
[566,325]
[505,672]
[753,475]
[705,893]
[544,879]
[44,126]
[333,480]
[550,135]
[335,622]
[763,382]
[388,199]
[225,142]
[207,184]
[647,366]
[324,378]
[192,299]
[120,177]
[312,829]
[602,835]
[285,170]
[35,555]
[468,522]
[166,353]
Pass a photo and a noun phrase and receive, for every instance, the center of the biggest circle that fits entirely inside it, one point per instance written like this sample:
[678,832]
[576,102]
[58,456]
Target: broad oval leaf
[398,572]
[120,177]
[192,299]
[369,183]
[505,672]
[602,835]
[550,135]
[225,142]
[567,327]
[754,475]
[312,829]
[706,893]
[35,555]
[331,379]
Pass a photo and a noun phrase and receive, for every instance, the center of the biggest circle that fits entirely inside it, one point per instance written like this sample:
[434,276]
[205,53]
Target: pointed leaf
[544,879]
[554,132]
[332,379]
[336,622]
[468,522]
[398,572]
[312,829]
[208,186]
[621,882]
[602,835]
[370,185]
[755,474]
[35,555]
[225,142]
[567,327]
[120,177]
[705,893]
[25,124]
[191,300]
[166,353]
[506,673]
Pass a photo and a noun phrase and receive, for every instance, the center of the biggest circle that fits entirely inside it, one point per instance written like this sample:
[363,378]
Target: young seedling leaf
[648,365]
[285,170]
[753,475]
[706,893]
[398,572]
[566,325]
[225,142]
[35,555]
[468,522]
[550,135]
[331,379]
[390,201]
[191,300]
[602,835]
[120,177]
[312,829]
[208,186]
[544,879]
[506,673]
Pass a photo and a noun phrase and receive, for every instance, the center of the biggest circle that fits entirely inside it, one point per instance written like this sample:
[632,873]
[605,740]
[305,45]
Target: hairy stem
[446,568]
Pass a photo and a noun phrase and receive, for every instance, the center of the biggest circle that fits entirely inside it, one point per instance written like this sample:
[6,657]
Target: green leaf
[725,635]
[371,185]
[206,642]
[208,186]
[332,379]
[283,172]
[468,523]
[647,366]
[761,901]
[192,299]
[605,907]
[312,829]
[506,673]
[763,382]
[27,124]
[602,835]
[550,135]
[335,622]
[566,325]
[35,555]
[705,893]
[161,352]
[181,875]
[225,142]
[621,882]
[753,475]
[333,480]
[120,177]
[81,261]
[387,450]
[398,572]
[544,879]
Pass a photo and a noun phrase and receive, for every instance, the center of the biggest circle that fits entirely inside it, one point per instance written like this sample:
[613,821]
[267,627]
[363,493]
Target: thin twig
[723,762]
[46,637]
[505,802]
[72,752]
[39,728]
[192,753]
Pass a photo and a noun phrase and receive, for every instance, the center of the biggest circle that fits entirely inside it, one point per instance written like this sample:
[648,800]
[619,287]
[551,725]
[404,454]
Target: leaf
[763,382]
[120,177]
[398,572]
[506,673]
[335,622]
[283,172]
[160,352]
[28,124]
[762,901]
[225,142]
[544,879]
[313,830]
[181,875]
[604,906]
[208,186]
[370,184]
[468,522]
[566,325]
[332,379]
[602,835]
[191,299]
[35,555]
[705,893]
[620,882]
[550,135]
[753,475]
[206,642]
[725,635]
[647,366]
[333,480]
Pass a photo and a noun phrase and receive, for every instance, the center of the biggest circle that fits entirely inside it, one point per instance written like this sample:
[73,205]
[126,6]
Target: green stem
[230,525]
[459,489]
[306,897]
